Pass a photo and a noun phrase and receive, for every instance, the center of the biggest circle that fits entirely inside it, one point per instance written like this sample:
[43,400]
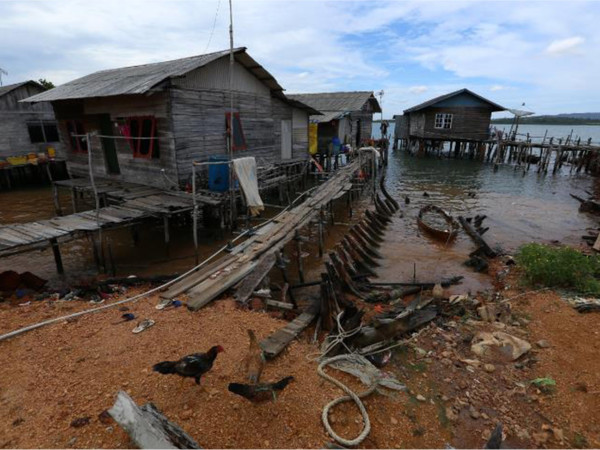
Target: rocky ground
[53,376]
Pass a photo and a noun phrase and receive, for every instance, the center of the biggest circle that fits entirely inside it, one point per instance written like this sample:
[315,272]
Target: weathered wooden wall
[468,123]
[151,171]
[199,126]
[14,117]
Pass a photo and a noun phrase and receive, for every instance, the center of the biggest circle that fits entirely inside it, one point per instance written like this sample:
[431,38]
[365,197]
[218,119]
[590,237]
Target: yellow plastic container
[17,160]
[51,152]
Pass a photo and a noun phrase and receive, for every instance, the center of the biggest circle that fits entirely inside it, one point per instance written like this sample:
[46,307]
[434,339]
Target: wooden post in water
[57,257]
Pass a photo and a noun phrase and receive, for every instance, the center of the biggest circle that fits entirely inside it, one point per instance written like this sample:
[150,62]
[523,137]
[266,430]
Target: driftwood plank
[247,286]
[274,344]
[147,426]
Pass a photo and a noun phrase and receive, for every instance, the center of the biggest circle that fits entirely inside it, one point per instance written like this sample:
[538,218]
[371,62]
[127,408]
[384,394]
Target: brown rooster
[259,392]
[254,361]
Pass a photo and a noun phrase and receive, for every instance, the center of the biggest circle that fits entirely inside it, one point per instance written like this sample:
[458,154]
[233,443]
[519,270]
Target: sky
[545,54]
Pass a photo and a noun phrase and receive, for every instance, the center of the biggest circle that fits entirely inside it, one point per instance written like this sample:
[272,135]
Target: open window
[42,132]
[78,143]
[443,121]
[239,141]
[141,133]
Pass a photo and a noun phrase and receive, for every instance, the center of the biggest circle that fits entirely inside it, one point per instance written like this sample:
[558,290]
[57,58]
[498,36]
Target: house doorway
[358,134]
[286,139]
[108,146]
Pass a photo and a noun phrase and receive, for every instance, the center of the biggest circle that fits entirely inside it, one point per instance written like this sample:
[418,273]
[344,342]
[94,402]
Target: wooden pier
[258,251]
[549,154]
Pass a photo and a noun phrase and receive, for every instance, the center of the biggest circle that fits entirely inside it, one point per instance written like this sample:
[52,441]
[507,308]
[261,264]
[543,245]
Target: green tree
[46,84]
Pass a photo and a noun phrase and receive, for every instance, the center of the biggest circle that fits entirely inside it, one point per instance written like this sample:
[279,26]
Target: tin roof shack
[25,127]
[347,115]
[458,116]
[179,111]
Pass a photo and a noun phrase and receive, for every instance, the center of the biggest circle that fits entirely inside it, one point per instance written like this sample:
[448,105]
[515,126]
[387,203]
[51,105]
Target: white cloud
[401,47]
[417,89]
[569,45]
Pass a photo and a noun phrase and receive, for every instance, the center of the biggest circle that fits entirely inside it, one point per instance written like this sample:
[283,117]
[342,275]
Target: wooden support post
[281,265]
[298,240]
[57,207]
[96,251]
[320,219]
[167,234]
[57,257]
[74,199]
[195,211]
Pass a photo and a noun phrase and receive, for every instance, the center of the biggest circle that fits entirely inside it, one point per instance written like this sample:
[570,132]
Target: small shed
[458,116]
[179,112]
[347,115]
[25,127]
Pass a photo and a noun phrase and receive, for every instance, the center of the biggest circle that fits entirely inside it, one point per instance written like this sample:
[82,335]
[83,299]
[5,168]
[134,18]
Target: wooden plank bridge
[204,285]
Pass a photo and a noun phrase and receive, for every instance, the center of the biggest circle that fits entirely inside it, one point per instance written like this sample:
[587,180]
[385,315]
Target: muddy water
[519,209]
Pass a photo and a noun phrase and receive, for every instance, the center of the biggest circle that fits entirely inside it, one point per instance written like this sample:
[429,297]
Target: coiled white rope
[351,396]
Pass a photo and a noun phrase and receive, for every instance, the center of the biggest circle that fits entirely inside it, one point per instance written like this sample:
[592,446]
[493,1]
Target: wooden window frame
[234,147]
[77,144]
[445,121]
[135,144]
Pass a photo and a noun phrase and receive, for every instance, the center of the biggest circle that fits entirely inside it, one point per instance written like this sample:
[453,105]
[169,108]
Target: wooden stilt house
[165,115]
[25,127]
[346,115]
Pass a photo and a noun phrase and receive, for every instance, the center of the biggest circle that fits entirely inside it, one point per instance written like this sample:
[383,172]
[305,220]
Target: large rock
[499,344]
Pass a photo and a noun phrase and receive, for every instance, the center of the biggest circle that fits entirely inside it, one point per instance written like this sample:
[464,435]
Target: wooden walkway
[125,204]
[209,282]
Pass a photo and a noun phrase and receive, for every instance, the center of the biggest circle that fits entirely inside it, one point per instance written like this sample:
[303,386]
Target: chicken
[259,392]
[495,440]
[193,366]
[254,361]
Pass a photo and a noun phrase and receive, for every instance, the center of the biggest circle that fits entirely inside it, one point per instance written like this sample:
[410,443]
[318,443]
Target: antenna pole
[231,120]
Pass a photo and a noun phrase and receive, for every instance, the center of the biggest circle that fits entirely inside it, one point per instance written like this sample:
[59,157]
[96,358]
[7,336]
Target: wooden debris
[274,344]
[477,238]
[147,426]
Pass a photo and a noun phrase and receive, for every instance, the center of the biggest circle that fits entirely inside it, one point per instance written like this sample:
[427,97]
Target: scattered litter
[128,316]
[164,303]
[486,344]
[25,303]
[80,422]
[454,299]
[144,324]
[585,305]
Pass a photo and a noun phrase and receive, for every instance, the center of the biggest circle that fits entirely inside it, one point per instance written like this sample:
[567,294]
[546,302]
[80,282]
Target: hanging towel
[245,171]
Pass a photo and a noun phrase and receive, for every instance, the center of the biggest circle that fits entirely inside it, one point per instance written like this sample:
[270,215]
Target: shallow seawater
[519,209]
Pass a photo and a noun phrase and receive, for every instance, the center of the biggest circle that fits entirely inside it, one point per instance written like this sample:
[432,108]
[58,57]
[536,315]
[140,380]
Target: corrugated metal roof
[433,101]
[140,79]
[328,116]
[11,87]
[337,102]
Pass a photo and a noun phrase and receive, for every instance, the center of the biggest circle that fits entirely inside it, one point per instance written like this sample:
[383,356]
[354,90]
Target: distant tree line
[548,120]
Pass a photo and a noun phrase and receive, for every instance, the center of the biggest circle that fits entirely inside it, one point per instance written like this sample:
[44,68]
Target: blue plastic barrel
[218,174]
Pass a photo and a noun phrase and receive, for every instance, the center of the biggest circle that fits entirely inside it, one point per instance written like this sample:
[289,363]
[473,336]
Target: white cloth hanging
[245,171]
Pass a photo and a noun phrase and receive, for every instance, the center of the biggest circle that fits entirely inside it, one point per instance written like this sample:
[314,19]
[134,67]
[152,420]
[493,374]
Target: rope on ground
[351,396]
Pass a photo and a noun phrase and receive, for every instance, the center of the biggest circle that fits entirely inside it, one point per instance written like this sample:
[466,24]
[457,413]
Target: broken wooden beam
[275,343]
[147,426]
[477,238]
[251,282]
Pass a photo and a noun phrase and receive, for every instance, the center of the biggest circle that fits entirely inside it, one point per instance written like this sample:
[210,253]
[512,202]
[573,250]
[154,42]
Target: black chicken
[259,392]
[193,366]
